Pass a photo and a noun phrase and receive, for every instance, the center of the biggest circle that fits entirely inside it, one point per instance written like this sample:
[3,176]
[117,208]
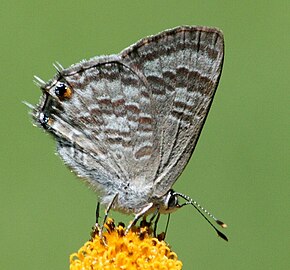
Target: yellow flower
[138,249]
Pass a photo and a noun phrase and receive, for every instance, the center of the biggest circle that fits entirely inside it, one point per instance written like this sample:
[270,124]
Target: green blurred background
[239,171]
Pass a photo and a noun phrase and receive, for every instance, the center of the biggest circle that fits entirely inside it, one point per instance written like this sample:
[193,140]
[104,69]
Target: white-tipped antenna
[39,82]
[58,66]
[203,211]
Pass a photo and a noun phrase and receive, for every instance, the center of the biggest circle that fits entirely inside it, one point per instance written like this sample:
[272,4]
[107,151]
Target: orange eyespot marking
[63,91]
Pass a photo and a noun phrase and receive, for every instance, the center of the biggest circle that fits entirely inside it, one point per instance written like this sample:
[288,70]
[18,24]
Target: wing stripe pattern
[181,68]
[133,119]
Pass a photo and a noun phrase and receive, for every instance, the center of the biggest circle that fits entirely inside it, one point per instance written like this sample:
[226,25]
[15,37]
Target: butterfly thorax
[132,201]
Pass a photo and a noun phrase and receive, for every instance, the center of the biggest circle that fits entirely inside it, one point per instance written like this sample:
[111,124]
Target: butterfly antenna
[203,212]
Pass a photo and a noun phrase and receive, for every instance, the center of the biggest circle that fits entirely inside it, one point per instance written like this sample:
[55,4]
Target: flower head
[137,249]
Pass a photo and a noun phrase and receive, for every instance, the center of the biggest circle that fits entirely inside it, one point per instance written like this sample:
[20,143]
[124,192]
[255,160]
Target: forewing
[181,68]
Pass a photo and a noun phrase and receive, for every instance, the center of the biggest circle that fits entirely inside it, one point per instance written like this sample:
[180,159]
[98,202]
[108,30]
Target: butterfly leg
[155,224]
[106,215]
[96,228]
[97,213]
[138,215]
[167,223]
[163,234]
[156,216]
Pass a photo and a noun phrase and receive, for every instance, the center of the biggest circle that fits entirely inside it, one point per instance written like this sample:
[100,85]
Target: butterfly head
[169,202]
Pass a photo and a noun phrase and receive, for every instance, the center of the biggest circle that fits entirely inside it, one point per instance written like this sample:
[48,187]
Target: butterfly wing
[130,122]
[181,68]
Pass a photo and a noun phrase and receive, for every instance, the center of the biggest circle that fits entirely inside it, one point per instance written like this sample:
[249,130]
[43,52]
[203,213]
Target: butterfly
[128,123]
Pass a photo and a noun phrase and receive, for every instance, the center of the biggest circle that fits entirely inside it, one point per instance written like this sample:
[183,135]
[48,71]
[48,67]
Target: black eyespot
[43,119]
[62,91]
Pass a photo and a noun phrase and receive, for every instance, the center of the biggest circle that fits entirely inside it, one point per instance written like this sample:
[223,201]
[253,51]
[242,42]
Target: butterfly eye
[63,91]
[172,201]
